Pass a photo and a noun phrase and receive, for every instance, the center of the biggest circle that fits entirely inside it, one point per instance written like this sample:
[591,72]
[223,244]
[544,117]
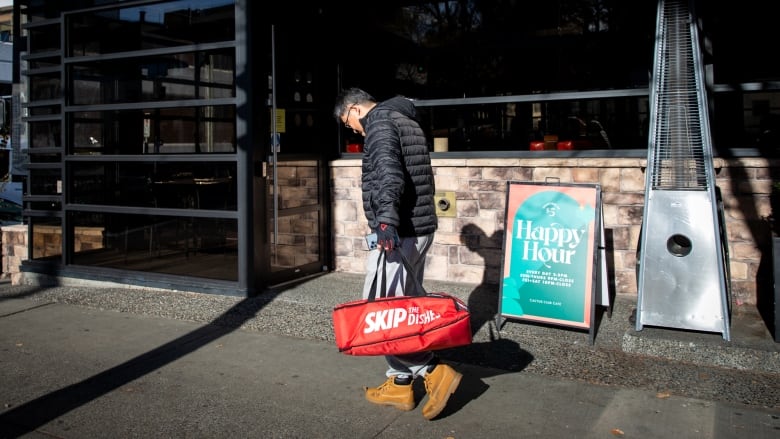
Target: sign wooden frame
[553,254]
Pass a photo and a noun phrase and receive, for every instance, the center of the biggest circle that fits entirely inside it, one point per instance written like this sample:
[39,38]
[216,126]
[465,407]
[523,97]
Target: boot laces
[381,388]
[428,385]
[386,385]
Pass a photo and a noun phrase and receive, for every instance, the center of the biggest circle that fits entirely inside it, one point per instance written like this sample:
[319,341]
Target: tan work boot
[440,384]
[399,396]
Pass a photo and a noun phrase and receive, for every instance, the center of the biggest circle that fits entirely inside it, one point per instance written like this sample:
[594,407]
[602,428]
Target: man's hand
[387,237]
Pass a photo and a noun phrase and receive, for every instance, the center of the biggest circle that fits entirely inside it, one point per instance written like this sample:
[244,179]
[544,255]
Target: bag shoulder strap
[420,291]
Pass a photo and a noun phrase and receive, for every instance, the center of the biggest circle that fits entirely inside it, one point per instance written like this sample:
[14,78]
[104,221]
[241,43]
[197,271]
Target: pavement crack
[31,308]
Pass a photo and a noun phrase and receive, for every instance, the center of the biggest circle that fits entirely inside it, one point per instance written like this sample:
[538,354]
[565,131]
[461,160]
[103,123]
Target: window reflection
[451,51]
[198,247]
[152,26]
[45,87]
[181,185]
[45,182]
[46,236]
[464,60]
[192,75]
[178,130]
[447,50]
[298,183]
[297,241]
[525,124]
[45,134]
[45,39]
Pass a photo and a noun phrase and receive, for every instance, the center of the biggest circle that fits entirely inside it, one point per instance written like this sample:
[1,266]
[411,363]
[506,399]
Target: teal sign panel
[549,253]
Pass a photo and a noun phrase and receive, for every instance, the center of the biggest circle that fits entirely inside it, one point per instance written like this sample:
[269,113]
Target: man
[398,189]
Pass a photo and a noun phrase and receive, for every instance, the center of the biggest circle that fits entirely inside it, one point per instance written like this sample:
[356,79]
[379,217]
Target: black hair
[349,97]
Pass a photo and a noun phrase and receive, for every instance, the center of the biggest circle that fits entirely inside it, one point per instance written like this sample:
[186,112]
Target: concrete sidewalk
[87,362]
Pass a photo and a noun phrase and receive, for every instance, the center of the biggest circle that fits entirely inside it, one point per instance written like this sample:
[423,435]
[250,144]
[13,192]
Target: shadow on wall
[496,352]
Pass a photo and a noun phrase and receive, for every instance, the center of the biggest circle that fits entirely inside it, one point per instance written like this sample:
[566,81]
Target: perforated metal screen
[680,148]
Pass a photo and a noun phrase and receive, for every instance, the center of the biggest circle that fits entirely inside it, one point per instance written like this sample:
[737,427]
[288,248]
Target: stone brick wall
[298,238]
[14,251]
[46,242]
[468,247]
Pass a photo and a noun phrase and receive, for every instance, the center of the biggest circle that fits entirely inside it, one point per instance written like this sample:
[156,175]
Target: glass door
[296,175]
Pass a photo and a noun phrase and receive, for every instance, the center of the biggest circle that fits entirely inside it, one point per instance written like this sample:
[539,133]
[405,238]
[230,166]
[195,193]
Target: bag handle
[407,268]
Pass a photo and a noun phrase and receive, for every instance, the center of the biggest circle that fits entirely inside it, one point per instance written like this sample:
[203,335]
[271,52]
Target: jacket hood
[399,104]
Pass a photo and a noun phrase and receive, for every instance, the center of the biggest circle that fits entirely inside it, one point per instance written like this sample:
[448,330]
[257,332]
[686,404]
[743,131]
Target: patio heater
[682,270]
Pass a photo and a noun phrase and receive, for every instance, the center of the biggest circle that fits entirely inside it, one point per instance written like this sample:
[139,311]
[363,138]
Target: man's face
[351,119]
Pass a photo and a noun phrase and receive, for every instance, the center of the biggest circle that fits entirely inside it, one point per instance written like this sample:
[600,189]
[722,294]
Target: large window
[132,134]
[475,67]
[455,49]
[563,74]
[746,76]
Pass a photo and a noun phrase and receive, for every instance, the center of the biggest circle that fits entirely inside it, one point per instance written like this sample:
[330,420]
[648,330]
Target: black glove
[387,237]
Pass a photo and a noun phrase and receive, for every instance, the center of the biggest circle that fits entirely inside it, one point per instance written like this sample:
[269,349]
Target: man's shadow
[490,354]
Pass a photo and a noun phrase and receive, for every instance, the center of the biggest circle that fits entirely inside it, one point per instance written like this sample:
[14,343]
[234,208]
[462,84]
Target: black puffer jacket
[397,177]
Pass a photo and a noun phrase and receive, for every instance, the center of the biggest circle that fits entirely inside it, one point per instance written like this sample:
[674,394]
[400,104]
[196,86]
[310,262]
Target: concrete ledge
[701,353]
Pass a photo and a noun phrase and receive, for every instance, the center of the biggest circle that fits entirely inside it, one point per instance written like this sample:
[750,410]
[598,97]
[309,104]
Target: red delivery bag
[401,324]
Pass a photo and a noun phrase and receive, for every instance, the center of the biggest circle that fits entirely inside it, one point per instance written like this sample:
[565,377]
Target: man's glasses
[346,119]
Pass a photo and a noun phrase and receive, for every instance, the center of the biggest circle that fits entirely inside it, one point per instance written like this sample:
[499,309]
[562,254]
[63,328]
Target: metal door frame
[271,167]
